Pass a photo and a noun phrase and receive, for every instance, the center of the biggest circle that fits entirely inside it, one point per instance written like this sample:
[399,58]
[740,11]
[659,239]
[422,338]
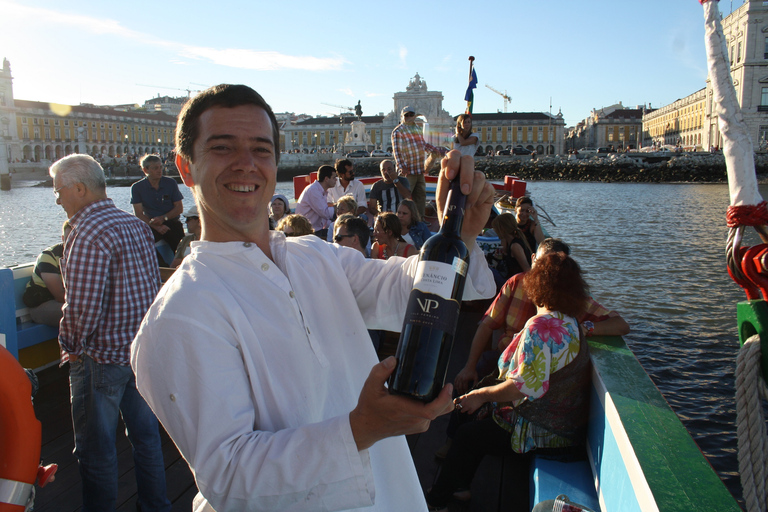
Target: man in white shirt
[314,202]
[255,355]
[347,185]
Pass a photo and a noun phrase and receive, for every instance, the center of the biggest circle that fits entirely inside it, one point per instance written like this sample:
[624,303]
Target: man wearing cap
[193,226]
[408,147]
[157,200]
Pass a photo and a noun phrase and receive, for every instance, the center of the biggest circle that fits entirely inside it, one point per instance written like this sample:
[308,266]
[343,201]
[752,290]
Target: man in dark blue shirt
[157,201]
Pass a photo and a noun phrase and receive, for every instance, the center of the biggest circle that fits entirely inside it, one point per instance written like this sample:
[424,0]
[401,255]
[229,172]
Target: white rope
[751,428]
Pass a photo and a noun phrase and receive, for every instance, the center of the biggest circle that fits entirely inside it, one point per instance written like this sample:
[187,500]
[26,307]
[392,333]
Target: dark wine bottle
[432,314]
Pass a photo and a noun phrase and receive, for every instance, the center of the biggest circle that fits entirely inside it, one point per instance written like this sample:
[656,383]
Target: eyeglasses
[56,191]
[191,218]
[339,238]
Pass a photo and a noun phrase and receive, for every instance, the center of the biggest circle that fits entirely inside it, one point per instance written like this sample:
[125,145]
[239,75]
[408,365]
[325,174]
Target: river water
[653,252]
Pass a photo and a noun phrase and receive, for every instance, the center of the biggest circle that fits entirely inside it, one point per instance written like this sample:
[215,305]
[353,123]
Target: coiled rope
[751,427]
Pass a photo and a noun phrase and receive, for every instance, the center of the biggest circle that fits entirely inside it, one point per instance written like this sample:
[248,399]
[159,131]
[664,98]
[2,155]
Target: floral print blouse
[546,344]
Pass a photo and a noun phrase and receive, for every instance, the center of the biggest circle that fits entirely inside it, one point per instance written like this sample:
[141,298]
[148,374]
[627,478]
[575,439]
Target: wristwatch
[165,218]
[589,326]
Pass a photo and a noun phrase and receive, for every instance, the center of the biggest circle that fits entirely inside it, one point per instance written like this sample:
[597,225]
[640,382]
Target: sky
[301,56]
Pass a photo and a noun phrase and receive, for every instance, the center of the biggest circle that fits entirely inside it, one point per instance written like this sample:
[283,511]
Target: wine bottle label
[430,303]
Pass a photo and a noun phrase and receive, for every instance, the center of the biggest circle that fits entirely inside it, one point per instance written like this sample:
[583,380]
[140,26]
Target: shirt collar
[82,213]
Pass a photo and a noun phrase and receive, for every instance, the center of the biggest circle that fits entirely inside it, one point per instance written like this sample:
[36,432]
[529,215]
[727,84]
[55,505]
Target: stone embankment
[686,167]
[638,168]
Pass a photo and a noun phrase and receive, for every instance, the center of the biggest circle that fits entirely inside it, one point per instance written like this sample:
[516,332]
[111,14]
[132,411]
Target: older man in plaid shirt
[110,280]
[409,146]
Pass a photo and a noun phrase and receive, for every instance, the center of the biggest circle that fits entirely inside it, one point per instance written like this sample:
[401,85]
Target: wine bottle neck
[453,216]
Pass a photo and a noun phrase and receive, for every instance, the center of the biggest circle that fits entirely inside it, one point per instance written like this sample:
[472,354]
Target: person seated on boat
[314,203]
[514,255]
[194,228]
[528,222]
[512,308]
[431,217]
[539,399]
[347,185]
[278,208]
[156,200]
[345,205]
[44,294]
[352,231]
[295,225]
[387,193]
[388,239]
[414,230]
[465,140]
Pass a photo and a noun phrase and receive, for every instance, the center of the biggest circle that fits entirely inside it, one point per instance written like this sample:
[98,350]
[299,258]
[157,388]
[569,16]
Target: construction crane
[189,91]
[504,95]
[352,109]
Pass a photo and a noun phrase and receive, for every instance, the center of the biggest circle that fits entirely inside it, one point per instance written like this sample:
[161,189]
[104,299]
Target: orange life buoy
[20,436]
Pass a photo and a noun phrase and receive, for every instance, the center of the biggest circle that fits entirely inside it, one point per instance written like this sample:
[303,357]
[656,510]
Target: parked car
[605,151]
[520,150]
[358,153]
[587,151]
[381,153]
[504,152]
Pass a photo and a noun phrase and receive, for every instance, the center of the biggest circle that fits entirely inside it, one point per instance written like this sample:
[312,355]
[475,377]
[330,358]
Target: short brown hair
[225,96]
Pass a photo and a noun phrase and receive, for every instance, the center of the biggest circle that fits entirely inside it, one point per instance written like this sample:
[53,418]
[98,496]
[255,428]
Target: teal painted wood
[646,430]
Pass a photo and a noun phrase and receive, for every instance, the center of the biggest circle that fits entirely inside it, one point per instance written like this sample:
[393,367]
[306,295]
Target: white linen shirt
[253,367]
[356,189]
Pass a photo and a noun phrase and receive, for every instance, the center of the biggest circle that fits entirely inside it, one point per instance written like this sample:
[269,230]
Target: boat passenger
[539,399]
[414,230]
[465,140]
[388,239]
[345,205]
[44,294]
[347,185]
[111,278]
[387,193]
[352,231]
[269,387]
[278,208]
[156,200]
[528,222]
[515,251]
[295,225]
[409,149]
[313,201]
[193,226]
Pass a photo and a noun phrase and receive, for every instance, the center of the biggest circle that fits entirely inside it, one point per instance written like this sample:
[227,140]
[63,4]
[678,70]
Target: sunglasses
[191,218]
[409,114]
[339,238]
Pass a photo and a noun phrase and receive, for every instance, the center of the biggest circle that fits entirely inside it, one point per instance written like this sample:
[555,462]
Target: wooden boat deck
[64,494]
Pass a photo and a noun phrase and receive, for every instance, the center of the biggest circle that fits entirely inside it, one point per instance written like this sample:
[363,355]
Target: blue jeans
[99,393]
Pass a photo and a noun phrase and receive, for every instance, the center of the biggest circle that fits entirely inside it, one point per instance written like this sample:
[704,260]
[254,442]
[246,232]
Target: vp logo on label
[427,305]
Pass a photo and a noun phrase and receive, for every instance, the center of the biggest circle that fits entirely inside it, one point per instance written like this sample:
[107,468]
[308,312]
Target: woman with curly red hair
[540,400]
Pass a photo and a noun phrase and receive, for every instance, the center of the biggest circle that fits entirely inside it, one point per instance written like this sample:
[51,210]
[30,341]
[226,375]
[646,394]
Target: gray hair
[79,169]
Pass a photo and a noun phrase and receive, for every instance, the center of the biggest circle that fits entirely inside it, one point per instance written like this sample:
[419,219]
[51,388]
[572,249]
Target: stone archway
[58,152]
[49,152]
[26,153]
[38,153]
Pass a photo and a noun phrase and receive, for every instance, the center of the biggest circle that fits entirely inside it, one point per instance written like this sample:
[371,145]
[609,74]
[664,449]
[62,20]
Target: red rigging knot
[702,1]
[747,215]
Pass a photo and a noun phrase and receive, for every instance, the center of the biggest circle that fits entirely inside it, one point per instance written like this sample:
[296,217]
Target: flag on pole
[469,97]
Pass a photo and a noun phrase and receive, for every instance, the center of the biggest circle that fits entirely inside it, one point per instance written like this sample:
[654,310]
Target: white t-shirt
[469,149]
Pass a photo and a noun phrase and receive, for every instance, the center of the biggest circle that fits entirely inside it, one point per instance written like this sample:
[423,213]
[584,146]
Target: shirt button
[291,294]
[246,244]
[173,398]
[264,267]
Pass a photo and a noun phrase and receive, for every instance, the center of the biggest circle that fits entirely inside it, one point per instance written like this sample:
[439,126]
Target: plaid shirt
[512,308]
[408,146]
[110,280]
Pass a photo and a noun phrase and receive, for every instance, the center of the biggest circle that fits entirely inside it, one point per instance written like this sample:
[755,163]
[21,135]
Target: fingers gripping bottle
[432,314]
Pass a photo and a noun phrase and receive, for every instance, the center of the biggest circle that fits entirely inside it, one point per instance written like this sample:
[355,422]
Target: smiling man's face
[234,172]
